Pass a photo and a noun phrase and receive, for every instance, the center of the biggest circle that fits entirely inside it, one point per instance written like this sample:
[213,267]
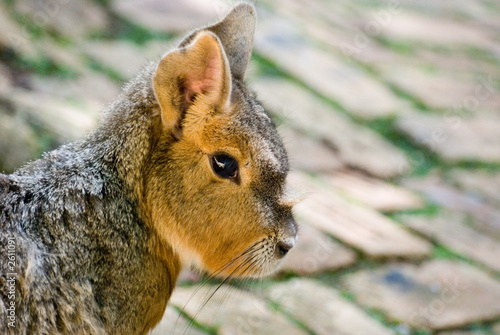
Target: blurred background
[391,114]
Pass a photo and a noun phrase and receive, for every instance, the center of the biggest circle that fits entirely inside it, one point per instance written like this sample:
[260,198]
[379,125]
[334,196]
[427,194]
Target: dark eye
[225,166]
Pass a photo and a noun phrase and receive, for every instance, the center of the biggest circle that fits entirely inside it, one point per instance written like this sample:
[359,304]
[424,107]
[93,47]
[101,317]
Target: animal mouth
[261,259]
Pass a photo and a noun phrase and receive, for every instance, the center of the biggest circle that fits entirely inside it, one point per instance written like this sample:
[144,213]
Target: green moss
[195,324]
[100,68]
[34,31]
[349,296]
[335,278]
[397,46]
[268,68]
[40,65]
[421,159]
[374,313]
[122,29]
[428,210]
[422,332]
[488,167]
[103,3]
[380,317]
[299,324]
[46,67]
[484,54]
[398,91]
[402,93]
[46,142]
[442,252]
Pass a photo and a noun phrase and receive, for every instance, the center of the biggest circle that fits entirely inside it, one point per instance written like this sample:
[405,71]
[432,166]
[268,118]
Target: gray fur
[82,262]
[86,259]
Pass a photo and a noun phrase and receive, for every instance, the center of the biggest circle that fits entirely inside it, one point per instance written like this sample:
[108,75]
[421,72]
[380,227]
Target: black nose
[284,247]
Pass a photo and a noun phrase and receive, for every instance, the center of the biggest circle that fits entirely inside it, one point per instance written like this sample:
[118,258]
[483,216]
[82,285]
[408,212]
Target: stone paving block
[6,82]
[418,27]
[124,57]
[90,88]
[68,58]
[174,324]
[444,90]
[478,184]
[448,8]
[446,71]
[336,14]
[18,142]
[352,29]
[46,48]
[438,294]
[361,24]
[455,62]
[304,153]
[73,19]
[63,120]
[16,36]
[170,16]
[486,217]
[322,309]
[356,146]
[452,230]
[11,32]
[13,35]
[281,41]
[372,192]
[231,311]
[453,137]
[315,252]
[334,23]
[361,227]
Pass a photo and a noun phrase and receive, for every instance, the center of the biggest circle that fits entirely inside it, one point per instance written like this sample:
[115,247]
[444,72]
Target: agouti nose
[288,238]
[284,247]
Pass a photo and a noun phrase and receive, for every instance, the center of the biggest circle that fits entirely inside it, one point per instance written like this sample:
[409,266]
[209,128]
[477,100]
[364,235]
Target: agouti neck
[128,132]
[124,141]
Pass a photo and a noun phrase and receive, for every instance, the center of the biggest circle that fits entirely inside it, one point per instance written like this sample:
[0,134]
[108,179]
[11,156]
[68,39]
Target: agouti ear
[196,73]
[236,32]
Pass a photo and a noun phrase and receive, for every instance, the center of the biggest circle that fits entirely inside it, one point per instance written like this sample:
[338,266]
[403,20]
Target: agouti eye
[225,166]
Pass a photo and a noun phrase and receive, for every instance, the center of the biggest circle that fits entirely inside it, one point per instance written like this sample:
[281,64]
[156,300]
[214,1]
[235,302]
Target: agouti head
[216,185]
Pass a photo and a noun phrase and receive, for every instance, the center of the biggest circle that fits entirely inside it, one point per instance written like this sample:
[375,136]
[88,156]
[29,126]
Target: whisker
[202,284]
[247,261]
[246,257]
[205,302]
[233,260]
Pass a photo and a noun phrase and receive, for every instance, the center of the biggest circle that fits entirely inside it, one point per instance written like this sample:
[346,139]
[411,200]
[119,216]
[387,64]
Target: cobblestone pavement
[391,114]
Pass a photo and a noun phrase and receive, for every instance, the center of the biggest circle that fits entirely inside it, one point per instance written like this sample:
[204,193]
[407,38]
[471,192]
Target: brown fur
[104,225]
